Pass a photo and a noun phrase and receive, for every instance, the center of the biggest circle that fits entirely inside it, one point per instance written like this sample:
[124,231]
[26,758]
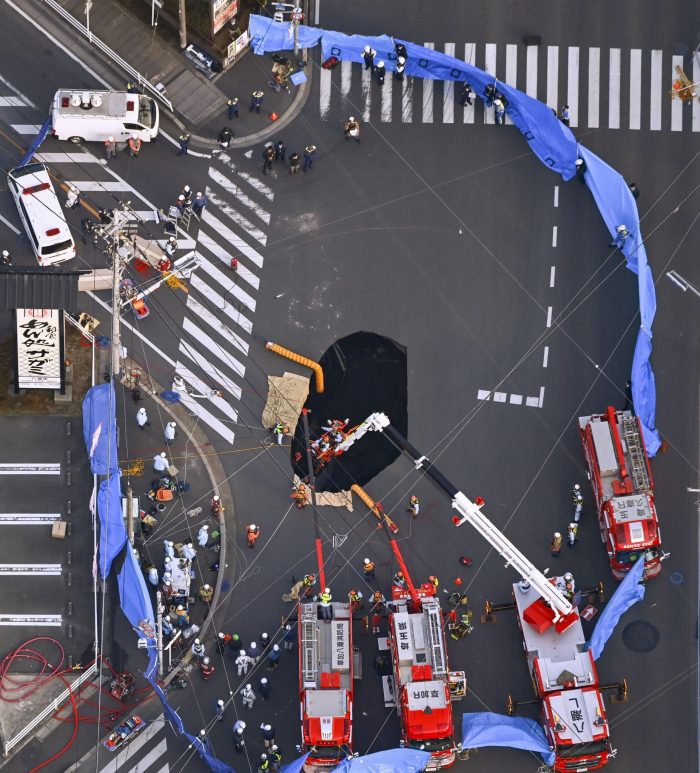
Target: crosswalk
[145,754]
[616,88]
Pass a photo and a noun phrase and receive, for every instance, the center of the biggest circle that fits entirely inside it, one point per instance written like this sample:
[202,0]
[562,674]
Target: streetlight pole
[183,24]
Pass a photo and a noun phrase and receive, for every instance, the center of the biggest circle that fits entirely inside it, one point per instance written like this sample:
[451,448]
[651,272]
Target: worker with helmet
[352,129]
[380,72]
[577,501]
[206,669]
[6,259]
[216,507]
[572,534]
[413,505]
[368,569]
[299,496]
[368,55]
[307,584]
[400,580]
[134,145]
[324,601]
[355,599]
[263,763]
[433,580]
[110,148]
[252,534]
[555,544]
[400,68]
[569,586]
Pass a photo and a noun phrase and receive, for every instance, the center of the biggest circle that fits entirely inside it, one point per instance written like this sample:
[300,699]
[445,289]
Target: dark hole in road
[640,636]
[363,373]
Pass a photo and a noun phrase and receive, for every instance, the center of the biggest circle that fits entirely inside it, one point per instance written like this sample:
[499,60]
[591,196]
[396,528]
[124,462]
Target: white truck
[95,116]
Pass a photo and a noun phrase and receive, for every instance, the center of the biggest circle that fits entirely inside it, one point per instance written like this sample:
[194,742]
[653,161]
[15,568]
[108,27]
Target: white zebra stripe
[215,323]
[228,185]
[469,57]
[240,220]
[325,93]
[195,407]
[553,77]
[385,115]
[676,104]
[428,94]
[201,388]
[531,72]
[614,88]
[227,281]
[215,375]
[26,128]
[407,100]
[490,67]
[204,240]
[572,85]
[228,235]
[197,283]
[593,88]
[657,58]
[448,92]
[636,88]
[250,179]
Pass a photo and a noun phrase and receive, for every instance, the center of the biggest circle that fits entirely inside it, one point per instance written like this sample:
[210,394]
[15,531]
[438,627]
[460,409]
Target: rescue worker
[280,429]
[380,72]
[222,640]
[232,105]
[294,163]
[225,137]
[72,199]
[400,68]
[263,763]
[248,696]
[132,88]
[187,193]
[216,506]
[268,734]
[275,757]
[413,505]
[152,574]
[500,111]
[166,590]
[307,584]
[220,708]
[489,94]
[368,55]
[239,724]
[203,536]
[577,501]
[555,544]
[268,156]
[377,603]
[355,599]
[252,534]
[160,463]
[142,418]
[169,432]
[134,145]
[264,688]
[621,233]
[280,152]
[433,580]
[465,97]
[580,165]
[569,586]
[256,99]
[572,534]
[368,569]
[399,580]
[110,148]
[309,157]
[188,552]
[289,637]
[206,669]
[264,642]
[6,258]
[352,130]
[206,593]
[198,649]
[242,663]
[634,189]
[299,496]
[184,143]
[253,653]
[200,201]
[182,619]
[565,115]
[274,658]
[325,599]
[238,742]
[170,246]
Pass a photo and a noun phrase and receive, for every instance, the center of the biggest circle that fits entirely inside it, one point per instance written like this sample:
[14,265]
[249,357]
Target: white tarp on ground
[341,499]
[286,396]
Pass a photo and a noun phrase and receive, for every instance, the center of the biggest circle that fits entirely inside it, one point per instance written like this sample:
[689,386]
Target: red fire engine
[618,468]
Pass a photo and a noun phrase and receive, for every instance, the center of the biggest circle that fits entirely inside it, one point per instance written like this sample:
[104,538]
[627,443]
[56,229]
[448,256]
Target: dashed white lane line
[532,402]
[545,358]
[552,275]
[516,400]
[549,316]
[554,236]
[556,196]
[483,394]
[499,397]
[9,224]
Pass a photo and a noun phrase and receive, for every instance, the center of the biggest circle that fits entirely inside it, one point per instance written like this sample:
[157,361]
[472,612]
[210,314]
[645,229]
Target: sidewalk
[199,102]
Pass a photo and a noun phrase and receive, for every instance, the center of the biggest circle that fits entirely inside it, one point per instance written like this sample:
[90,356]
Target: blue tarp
[407,760]
[170,714]
[551,141]
[100,429]
[489,729]
[295,766]
[205,753]
[29,155]
[136,602]
[112,530]
[630,591]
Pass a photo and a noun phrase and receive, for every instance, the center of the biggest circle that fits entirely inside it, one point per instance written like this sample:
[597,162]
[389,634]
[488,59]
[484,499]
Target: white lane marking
[26,128]
[324,93]
[68,158]
[541,400]
[201,388]
[490,68]
[28,519]
[27,468]
[253,181]
[448,92]
[656,95]
[552,275]
[12,102]
[366,94]
[572,85]
[225,256]
[240,220]
[386,98]
[217,300]
[231,187]
[407,100]
[614,88]
[153,756]
[545,358]
[102,185]
[516,400]
[30,620]
[483,394]
[531,72]
[141,740]
[593,88]
[194,406]
[556,196]
[553,77]
[512,65]
[216,378]
[554,236]
[549,316]
[428,93]
[226,281]
[215,323]
[499,397]
[26,569]
[317,16]
[243,247]
[9,224]
[532,402]
[176,144]
[469,55]
[676,104]
[636,88]
[345,78]
[18,93]
[696,101]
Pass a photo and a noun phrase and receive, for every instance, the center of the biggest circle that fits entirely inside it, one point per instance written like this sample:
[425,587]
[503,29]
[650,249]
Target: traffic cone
[273,116]
[458,580]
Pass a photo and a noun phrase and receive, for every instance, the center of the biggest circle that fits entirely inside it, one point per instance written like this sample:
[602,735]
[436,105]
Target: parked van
[41,214]
[95,116]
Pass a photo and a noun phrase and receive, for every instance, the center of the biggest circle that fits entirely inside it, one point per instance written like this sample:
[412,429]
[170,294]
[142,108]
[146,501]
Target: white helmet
[162,453]
[196,641]
[380,63]
[186,188]
[216,497]
[199,193]
[252,526]
[134,136]
[263,680]
[220,703]
[572,525]
[366,561]
[253,645]
[276,647]
[576,487]
[180,608]
[248,687]
[267,727]
[206,661]
[326,590]
[111,139]
[557,535]
[568,576]
[368,49]
[5,254]
[205,527]
[352,118]
[241,652]
[180,198]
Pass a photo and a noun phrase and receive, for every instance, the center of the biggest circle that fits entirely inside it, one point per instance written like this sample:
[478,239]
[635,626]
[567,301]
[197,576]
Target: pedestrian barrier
[158,93]
[290,355]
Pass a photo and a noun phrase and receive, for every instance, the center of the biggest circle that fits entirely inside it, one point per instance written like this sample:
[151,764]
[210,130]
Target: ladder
[309,644]
[437,647]
[630,430]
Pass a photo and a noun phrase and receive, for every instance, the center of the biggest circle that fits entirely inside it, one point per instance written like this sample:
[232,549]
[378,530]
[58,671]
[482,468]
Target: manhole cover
[640,636]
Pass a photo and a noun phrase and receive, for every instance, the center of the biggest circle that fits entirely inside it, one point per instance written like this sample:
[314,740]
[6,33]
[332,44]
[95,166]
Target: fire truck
[618,468]
[565,681]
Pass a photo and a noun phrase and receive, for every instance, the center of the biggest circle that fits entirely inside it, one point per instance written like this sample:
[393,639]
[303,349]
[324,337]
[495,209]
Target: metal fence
[95,41]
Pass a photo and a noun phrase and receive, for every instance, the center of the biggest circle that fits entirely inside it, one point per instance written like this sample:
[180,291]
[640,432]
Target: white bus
[95,116]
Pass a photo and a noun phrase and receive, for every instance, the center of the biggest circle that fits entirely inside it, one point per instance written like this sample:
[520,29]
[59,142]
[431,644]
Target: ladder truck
[623,489]
[547,616]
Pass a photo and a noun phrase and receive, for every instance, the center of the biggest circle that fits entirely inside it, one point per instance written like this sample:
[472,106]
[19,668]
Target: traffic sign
[297,16]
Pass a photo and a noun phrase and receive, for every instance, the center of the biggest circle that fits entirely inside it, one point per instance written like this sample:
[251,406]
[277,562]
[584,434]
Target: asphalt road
[440,236]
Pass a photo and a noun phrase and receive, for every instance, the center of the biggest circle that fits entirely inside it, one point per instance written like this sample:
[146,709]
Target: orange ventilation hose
[290,355]
[378,512]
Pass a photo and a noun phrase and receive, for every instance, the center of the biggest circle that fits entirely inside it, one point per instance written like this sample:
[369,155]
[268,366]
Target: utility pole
[183,24]
[130,514]
[159,629]
[116,303]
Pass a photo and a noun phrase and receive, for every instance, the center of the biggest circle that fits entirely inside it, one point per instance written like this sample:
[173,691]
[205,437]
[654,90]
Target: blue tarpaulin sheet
[29,155]
[204,752]
[406,760]
[136,602]
[100,429]
[551,141]
[295,766]
[112,530]
[489,729]
[170,714]
[630,591]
